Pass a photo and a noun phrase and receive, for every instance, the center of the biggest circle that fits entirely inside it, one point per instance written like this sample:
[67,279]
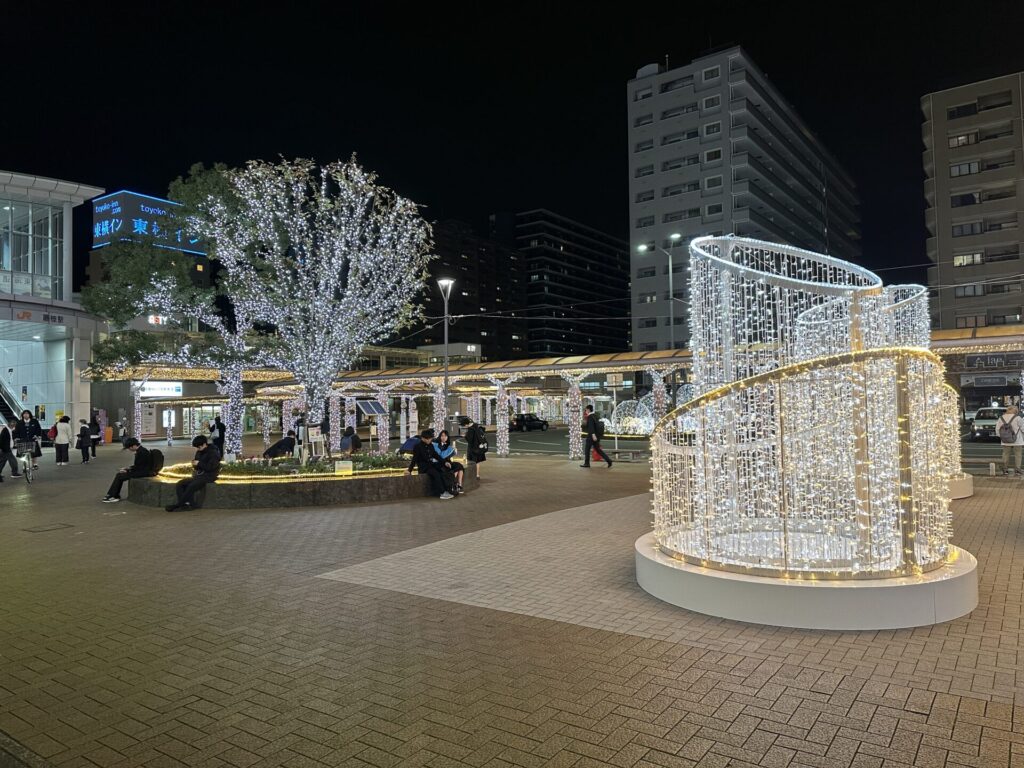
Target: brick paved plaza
[503,628]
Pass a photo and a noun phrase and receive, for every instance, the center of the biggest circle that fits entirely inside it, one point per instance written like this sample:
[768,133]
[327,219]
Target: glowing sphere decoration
[632,417]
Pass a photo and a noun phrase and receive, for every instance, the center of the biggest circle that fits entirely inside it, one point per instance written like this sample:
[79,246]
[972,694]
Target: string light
[820,436]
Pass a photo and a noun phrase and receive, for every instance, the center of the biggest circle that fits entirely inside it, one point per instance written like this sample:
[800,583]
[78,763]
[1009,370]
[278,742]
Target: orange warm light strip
[184,471]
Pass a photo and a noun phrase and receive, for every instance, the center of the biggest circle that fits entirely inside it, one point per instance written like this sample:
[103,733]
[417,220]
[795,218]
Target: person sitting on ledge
[206,467]
[446,451]
[141,467]
[350,442]
[427,463]
[283,447]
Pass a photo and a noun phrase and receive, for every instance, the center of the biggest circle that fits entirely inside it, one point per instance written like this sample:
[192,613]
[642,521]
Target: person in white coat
[62,441]
[1010,428]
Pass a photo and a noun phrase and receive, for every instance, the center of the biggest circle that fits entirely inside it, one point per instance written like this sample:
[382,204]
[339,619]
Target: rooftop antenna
[666,61]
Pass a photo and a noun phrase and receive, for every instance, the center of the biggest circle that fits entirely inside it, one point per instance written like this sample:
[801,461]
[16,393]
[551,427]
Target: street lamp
[445,284]
[643,248]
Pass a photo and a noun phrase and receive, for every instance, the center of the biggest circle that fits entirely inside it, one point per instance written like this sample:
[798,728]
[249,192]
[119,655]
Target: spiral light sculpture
[821,435]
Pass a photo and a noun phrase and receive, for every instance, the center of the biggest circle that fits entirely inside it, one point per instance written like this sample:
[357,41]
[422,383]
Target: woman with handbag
[476,440]
[62,441]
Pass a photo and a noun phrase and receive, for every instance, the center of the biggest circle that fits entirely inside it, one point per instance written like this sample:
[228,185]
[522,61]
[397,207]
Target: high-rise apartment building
[715,149]
[577,283]
[974,181]
[487,300]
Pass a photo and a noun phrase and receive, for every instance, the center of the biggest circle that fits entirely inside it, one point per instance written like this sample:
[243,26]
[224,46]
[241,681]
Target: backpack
[1007,434]
[600,428]
[157,457]
[52,433]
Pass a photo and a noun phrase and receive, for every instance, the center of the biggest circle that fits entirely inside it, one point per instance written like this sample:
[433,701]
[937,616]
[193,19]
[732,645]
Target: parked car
[527,422]
[983,427]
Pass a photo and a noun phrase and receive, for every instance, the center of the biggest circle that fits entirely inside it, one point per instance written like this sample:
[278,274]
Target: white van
[984,425]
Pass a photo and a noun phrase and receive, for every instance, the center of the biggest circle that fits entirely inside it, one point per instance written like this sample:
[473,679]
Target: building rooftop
[21,186]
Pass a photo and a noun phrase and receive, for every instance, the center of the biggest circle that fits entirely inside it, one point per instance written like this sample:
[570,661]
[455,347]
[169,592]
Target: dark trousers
[85,451]
[121,478]
[187,488]
[592,446]
[10,458]
[94,442]
[62,452]
[436,481]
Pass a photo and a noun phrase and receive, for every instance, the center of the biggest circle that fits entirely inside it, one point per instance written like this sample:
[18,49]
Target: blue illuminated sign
[123,215]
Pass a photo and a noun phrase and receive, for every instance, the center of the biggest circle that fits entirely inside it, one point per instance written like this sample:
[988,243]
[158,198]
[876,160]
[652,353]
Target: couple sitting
[436,459]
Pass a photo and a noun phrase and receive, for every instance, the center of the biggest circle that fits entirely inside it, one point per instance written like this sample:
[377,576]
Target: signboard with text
[994,361]
[160,389]
[125,215]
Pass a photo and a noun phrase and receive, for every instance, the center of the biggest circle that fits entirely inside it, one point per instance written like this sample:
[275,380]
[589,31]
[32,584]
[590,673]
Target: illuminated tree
[323,254]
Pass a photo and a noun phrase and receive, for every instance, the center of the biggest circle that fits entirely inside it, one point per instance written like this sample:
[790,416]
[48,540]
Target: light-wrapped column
[414,419]
[440,410]
[334,438]
[384,422]
[264,412]
[350,412]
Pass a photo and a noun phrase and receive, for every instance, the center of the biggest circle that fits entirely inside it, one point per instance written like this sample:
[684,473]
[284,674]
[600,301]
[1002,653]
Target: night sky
[469,111]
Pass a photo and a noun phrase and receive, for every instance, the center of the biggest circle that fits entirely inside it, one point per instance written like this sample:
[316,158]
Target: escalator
[9,406]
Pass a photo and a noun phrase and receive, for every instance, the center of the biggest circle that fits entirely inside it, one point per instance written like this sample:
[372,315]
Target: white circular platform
[854,604]
[961,486]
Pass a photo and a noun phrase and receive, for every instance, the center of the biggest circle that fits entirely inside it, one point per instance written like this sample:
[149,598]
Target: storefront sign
[124,215]
[992,380]
[148,419]
[995,360]
[159,389]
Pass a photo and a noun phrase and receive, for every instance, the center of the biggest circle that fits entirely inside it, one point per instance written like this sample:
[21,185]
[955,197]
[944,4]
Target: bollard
[992,468]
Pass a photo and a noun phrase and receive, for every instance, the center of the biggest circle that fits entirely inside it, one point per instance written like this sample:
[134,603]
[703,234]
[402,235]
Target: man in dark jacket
[218,432]
[593,437]
[283,447]
[427,462]
[206,466]
[141,467]
[7,449]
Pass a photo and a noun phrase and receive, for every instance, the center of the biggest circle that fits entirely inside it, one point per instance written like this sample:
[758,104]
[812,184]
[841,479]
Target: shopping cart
[23,449]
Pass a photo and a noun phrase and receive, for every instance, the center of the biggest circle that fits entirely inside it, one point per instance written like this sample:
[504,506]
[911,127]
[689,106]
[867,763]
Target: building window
[674,85]
[712,155]
[644,145]
[1005,319]
[968,259]
[712,128]
[644,170]
[962,110]
[964,291]
[712,182]
[967,198]
[647,298]
[679,162]
[643,120]
[1004,288]
[971,321]
[677,111]
[714,209]
[679,242]
[642,93]
[964,230]
[963,139]
[710,102]
[678,189]
[647,322]
[645,196]
[645,221]
[647,272]
[649,346]
[963,169]
[711,73]
[689,213]
[675,138]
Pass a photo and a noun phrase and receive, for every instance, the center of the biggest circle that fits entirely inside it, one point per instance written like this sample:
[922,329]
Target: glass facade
[31,249]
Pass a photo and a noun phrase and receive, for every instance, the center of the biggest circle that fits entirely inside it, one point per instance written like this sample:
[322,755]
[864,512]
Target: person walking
[218,432]
[206,467]
[84,440]
[476,443]
[62,442]
[426,462]
[594,429]
[1010,428]
[94,434]
[28,428]
[7,456]
[141,467]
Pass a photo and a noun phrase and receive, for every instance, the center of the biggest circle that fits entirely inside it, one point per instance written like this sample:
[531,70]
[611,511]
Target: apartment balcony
[1005,143]
[929,162]
[931,246]
[984,117]
[929,220]
[929,192]
[780,115]
[747,167]
[747,194]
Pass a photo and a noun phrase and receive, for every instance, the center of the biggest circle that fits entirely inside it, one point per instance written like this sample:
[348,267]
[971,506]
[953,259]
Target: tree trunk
[230,384]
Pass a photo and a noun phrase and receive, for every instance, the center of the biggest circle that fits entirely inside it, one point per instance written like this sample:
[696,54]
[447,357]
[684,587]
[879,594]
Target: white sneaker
[447,495]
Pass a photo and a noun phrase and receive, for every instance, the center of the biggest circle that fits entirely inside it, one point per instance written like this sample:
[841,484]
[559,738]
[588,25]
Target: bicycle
[23,451]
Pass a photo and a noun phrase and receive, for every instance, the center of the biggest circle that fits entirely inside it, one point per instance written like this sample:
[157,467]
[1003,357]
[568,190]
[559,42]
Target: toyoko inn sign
[126,215]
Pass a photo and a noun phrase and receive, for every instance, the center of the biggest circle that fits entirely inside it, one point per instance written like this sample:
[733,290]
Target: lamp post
[643,248]
[445,284]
